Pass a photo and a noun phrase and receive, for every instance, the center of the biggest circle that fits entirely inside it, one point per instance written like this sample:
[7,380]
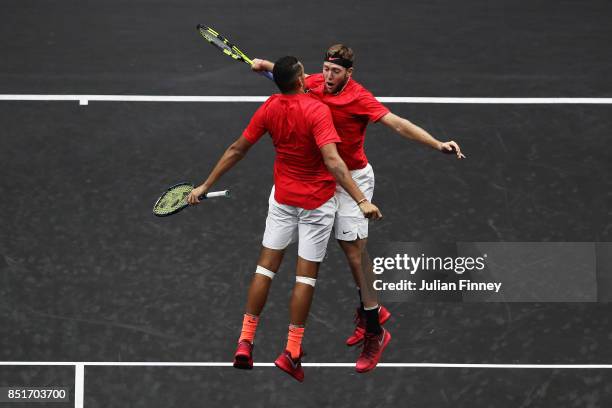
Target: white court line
[79,385]
[79,378]
[322,365]
[85,99]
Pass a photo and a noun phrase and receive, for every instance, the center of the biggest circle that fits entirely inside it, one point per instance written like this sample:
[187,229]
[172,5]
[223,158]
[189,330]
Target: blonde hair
[341,51]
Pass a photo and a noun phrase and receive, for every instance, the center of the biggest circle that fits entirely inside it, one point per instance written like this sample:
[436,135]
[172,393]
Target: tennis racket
[174,199]
[227,47]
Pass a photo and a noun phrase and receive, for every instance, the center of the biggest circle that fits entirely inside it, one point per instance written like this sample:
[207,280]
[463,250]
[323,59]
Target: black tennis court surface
[88,274]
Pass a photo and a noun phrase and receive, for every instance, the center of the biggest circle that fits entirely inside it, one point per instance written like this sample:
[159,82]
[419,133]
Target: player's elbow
[237,151]
[402,127]
[332,162]
[336,167]
[398,125]
[332,159]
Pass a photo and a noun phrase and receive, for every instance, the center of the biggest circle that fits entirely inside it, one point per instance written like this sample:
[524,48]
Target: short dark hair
[340,51]
[286,72]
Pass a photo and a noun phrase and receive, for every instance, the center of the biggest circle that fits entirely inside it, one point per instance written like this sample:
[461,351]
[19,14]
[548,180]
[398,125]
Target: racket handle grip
[212,194]
[267,74]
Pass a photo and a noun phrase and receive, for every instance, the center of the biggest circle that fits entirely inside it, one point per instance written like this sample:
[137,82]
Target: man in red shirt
[302,204]
[353,107]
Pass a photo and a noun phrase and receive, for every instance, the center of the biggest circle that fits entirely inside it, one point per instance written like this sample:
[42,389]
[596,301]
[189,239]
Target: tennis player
[302,204]
[353,107]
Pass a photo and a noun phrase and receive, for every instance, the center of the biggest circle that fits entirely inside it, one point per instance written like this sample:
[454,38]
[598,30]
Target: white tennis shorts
[286,224]
[350,224]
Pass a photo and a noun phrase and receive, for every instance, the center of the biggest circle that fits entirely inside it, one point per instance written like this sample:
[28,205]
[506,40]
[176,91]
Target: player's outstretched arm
[411,131]
[260,65]
[338,169]
[234,153]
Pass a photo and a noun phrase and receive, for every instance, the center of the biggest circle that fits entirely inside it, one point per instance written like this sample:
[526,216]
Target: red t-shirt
[299,126]
[351,110]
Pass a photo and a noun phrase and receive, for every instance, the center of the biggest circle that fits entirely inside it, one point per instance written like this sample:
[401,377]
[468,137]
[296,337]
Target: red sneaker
[290,366]
[373,346]
[243,358]
[360,320]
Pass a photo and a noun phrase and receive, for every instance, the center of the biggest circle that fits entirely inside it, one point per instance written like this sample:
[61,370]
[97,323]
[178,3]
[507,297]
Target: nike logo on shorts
[346,232]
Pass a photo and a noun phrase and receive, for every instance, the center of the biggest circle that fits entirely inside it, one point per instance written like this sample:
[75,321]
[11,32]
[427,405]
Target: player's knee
[354,261]
[270,259]
[353,256]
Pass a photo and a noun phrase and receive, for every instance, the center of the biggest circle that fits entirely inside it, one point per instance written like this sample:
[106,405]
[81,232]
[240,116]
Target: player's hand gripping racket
[174,199]
[227,47]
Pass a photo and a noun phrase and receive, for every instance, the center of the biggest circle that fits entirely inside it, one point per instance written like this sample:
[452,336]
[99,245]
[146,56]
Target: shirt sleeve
[314,80]
[323,128]
[370,106]
[257,126]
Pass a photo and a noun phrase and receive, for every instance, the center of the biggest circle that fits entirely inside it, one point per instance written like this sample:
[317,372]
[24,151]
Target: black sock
[360,301]
[372,323]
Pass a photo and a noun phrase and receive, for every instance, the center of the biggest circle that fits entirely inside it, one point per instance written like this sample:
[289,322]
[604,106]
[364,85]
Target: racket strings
[216,39]
[222,43]
[172,199]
